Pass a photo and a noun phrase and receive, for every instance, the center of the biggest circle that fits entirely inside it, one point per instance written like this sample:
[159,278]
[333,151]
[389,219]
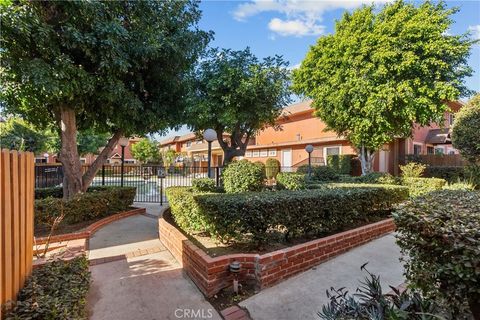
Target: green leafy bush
[472,174]
[341,163]
[373,177]
[57,290]
[459,186]
[439,232]
[291,180]
[261,165]
[369,302]
[326,210]
[86,206]
[272,168]
[242,176]
[420,186]
[465,133]
[204,185]
[320,173]
[451,174]
[413,170]
[57,192]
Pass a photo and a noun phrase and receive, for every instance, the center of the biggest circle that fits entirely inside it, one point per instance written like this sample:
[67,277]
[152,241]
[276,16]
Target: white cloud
[302,17]
[296,27]
[475,31]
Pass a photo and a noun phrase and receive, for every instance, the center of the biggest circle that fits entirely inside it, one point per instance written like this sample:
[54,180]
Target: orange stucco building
[298,127]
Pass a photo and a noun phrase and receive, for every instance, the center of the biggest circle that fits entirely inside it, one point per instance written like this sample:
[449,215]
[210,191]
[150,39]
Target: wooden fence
[439,160]
[16,221]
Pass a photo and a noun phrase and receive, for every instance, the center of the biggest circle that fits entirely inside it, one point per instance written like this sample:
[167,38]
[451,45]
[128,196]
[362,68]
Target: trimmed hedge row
[57,290]
[204,184]
[291,180]
[85,206]
[440,234]
[421,186]
[320,173]
[341,163]
[233,216]
[57,192]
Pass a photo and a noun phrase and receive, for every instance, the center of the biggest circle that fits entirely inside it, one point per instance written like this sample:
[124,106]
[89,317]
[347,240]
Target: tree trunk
[100,160]
[72,168]
[474,304]
[366,159]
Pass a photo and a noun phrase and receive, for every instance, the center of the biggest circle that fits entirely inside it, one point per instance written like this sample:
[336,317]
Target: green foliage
[465,132]
[242,176]
[252,214]
[17,134]
[97,203]
[438,233]
[421,186]
[57,192]
[372,79]
[238,94]
[272,168]
[57,290]
[412,170]
[185,210]
[341,163]
[460,186]
[320,173]
[369,302]
[451,174]
[472,174]
[204,185]
[261,165]
[145,151]
[291,180]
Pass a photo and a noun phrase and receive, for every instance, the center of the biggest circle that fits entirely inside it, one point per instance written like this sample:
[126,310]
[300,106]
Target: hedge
[342,164]
[242,176]
[320,173]
[57,192]
[86,206]
[439,232]
[420,186]
[57,290]
[272,168]
[291,180]
[451,174]
[233,216]
[204,184]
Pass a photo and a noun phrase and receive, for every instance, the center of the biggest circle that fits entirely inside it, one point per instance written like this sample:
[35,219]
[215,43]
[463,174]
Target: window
[130,161]
[430,150]
[189,143]
[330,151]
[248,154]
[272,153]
[263,153]
[83,160]
[451,118]
[417,149]
[40,160]
[256,153]
[439,150]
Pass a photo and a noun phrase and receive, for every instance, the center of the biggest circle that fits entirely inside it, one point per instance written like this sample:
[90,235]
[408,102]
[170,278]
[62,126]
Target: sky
[288,28]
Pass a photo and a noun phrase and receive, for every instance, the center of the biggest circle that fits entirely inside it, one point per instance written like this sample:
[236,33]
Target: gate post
[103,175]
[217,176]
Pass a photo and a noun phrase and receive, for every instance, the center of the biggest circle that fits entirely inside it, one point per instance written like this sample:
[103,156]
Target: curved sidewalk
[302,296]
[146,283]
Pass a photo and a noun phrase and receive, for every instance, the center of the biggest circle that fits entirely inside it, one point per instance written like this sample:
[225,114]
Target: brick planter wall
[212,274]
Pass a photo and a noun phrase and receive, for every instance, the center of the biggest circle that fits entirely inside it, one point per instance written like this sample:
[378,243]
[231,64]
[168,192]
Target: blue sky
[289,28]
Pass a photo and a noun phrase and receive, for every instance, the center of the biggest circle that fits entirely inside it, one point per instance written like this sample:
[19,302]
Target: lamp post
[309,149]
[209,135]
[123,142]
[45,155]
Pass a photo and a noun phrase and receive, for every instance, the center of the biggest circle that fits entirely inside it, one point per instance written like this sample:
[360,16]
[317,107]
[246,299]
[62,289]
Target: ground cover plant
[55,291]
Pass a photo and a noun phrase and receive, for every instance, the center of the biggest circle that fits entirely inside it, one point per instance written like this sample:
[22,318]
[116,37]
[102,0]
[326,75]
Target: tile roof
[438,136]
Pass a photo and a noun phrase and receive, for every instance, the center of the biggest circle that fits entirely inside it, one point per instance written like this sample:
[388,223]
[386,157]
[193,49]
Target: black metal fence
[150,180]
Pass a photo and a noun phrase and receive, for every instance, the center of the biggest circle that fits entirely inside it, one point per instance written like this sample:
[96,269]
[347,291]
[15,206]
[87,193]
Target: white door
[287,160]
[383,165]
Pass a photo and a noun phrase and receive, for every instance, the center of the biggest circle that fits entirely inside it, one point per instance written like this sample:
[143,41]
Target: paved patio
[143,286]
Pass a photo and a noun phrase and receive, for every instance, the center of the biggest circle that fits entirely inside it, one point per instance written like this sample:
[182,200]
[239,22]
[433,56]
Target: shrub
[412,170]
[291,180]
[57,192]
[439,234]
[373,177]
[185,210]
[326,210]
[420,186]
[320,173]
[369,302]
[261,165]
[57,290]
[451,174]
[460,186]
[204,185]
[472,174]
[465,133]
[242,176]
[342,164]
[272,168]
[86,206]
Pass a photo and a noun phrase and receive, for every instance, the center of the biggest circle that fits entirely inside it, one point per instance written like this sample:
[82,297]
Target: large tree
[114,66]
[17,134]
[236,94]
[382,71]
[146,150]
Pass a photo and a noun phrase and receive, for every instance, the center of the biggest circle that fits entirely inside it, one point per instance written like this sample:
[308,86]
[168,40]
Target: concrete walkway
[150,286]
[302,296]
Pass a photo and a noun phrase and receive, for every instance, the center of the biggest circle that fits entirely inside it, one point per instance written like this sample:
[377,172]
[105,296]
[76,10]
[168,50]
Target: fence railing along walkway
[16,221]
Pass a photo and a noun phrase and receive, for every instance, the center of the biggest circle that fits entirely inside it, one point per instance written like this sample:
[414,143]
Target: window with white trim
[417,149]
[272,152]
[331,151]
[263,153]
[248,154]
[256,153]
